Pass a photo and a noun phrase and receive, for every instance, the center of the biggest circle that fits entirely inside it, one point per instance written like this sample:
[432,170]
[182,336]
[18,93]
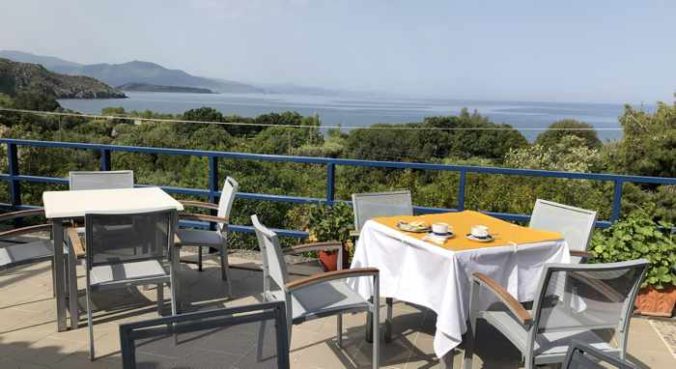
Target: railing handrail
[345,162]
[14,177]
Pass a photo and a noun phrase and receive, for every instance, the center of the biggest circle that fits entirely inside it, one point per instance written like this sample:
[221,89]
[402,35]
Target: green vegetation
[635,237]
[647,149]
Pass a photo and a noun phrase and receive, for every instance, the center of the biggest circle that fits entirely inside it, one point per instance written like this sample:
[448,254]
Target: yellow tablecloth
[504,233]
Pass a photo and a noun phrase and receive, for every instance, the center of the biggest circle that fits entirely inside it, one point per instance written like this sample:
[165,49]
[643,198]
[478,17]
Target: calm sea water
[530,118]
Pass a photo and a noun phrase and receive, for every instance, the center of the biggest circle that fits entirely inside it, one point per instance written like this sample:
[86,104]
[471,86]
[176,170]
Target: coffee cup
[480,231]
[440,228]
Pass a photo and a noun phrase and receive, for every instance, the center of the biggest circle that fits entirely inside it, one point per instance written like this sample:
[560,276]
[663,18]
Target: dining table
[67,206]
[436,272]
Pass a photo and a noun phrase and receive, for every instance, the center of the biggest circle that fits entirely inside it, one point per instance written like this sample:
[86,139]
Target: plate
[414,227]
[488,238]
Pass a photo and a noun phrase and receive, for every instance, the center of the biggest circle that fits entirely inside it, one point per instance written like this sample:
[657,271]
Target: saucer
[440,235]
[471,237]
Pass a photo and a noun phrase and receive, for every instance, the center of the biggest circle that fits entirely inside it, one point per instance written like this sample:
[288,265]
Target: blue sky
[547,50]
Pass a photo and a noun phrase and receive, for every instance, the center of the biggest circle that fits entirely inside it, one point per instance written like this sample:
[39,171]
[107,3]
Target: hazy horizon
[604,52]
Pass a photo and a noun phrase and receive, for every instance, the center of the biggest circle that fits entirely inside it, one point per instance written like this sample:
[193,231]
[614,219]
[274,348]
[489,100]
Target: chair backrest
[274,266]
[573,300]
[228,193]
[221,338]
[379,204]
[114,238]
[575,224]
[100,180]
[583,356]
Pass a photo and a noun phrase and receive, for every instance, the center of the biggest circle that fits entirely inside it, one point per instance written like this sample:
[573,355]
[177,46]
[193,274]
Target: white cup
[479,231]
[440,228]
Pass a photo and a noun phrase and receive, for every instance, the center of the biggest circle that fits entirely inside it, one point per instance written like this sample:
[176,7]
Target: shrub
[638,236]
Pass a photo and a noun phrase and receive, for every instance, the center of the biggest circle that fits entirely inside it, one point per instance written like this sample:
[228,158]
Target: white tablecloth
[439,279]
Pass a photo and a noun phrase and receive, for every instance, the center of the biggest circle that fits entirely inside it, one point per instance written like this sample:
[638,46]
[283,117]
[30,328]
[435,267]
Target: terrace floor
[28,337]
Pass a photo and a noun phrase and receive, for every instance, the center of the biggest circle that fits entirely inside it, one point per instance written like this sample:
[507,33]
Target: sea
[348,112]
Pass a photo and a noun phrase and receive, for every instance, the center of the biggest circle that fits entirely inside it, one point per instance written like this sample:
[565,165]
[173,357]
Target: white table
[62,206]
[425,274]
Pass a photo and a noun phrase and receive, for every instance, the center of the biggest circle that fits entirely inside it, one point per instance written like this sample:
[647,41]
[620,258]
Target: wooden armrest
[324,277]
[202,217]
[501,293]
[199,204]
[581,254]
[315,246]
[597,285]
[25,230]
[22,214]
[354,233]
[75,241]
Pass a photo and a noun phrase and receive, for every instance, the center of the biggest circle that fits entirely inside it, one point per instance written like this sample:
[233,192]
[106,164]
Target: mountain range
[131,73]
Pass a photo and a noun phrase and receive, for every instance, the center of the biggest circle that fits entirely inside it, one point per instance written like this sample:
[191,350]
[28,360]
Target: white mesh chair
[140,256]
[217,238]
[221,338]
[381,204]
[317,296]
[100,180]
[575,224]
[593,301]
[583,356]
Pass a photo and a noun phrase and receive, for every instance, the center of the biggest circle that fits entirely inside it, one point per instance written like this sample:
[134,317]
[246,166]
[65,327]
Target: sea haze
[530,118]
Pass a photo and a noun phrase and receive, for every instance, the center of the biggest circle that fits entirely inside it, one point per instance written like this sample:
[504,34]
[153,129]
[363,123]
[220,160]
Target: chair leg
[199,258]
[160,297]
[53,278]
[72,292]
[376,336]
[225,268]
[90,324]
[172,289]
[388,320]
[339,330]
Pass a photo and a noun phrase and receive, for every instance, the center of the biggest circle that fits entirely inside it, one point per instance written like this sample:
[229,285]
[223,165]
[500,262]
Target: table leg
[59,275]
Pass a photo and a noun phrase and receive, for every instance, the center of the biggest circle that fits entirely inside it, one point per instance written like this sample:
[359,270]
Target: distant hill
[158,88]
[16,77]
[132,72]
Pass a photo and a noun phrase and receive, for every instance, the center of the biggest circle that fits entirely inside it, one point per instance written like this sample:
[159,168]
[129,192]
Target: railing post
[617,201]
[330,183]
[13,167]
[105,160]
[461,190]
[213,179]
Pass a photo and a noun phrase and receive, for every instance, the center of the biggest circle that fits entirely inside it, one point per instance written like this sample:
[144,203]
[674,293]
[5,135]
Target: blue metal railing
[14,178]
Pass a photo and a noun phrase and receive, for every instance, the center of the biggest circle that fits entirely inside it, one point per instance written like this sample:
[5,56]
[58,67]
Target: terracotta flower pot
[654,302]
[329,260]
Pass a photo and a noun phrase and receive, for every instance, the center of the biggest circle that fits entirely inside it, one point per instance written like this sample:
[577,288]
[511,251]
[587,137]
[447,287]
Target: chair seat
[22,253]
[551,346]
[323,299]
[197,237]
[109,274]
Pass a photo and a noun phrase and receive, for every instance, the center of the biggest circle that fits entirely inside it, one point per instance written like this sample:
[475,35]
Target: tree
[569,127]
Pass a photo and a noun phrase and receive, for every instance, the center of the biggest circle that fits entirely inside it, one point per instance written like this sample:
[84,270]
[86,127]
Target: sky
[516,50]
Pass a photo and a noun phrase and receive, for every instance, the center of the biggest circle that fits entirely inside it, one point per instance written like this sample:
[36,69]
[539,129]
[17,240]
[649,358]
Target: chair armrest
[75,242]
[329,276]
[501,293]
[315,246]
[354,233]
[22,214]
[581,254]
[202,217]
[598,285]
[199,204]
[25,230]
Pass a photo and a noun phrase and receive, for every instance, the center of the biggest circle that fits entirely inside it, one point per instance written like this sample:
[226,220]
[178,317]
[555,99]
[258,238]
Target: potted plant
[331,223]
[638,236]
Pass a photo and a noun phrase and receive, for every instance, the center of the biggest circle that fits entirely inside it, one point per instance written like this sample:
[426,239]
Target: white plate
[476,239]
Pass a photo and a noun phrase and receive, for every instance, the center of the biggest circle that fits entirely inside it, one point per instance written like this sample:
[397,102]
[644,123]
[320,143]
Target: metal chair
[141,256]
[100,180]
[222,338]
[583,356]
[316,296]
[217,238]
[380,204]
[593,299]
[22,251]
[575,224]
